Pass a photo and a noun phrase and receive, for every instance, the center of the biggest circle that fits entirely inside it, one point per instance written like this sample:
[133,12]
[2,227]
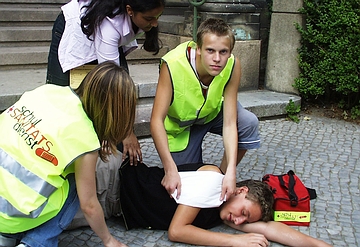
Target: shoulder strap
[312,193]
[291,190]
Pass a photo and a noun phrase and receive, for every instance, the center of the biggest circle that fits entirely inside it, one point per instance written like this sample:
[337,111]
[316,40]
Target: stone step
[263,103]
[23,56]
[15,14]
[36,56]
[13,83]
[24,35]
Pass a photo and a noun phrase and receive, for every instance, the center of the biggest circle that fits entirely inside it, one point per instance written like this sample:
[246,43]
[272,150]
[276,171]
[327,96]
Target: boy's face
[239,210]
[214,53]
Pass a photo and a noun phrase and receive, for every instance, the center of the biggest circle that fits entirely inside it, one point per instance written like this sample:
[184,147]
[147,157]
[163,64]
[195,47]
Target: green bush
[292,111]
[329,55]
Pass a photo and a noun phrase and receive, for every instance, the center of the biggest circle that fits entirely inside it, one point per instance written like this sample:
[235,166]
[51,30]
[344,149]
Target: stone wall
[284,40]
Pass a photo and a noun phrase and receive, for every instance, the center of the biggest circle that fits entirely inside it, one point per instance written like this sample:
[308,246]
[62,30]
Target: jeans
[47,234]
[55,74]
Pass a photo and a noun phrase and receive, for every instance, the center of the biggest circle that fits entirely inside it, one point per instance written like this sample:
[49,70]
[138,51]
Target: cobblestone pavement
[323,152]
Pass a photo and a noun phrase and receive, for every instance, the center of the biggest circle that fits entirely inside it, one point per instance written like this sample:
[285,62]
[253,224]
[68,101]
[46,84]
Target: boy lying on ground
[146,204]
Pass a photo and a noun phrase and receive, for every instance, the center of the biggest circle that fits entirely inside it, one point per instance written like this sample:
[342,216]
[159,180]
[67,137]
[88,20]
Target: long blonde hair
[109,99]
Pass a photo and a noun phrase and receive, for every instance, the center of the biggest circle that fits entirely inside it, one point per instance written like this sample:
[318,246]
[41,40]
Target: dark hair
[108,96]
[260,193]
[215,26]
[98,10]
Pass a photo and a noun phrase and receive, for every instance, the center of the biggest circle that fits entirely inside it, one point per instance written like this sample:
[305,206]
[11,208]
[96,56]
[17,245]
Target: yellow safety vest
[40,137]
[189,105]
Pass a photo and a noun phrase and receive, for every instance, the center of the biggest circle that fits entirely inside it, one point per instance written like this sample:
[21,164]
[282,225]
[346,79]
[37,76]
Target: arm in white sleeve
[106,41]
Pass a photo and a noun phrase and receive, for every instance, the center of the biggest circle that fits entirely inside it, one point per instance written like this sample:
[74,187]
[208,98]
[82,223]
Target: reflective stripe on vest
[29,179]
[46,130]
[189,106]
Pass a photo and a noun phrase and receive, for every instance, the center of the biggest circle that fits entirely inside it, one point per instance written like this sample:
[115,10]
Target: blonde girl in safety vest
[48,153]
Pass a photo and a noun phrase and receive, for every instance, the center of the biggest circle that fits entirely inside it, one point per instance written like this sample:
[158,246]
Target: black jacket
[146,204]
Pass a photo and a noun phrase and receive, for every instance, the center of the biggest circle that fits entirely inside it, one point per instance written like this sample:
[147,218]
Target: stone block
[248,53]
[172,41]
[282,61]
[246,26]
[147,90]
[171,24]
[176,3]
[232,18]
[287,6]
[227,7]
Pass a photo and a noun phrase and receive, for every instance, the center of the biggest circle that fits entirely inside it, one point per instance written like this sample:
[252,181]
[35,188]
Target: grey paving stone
[324,152]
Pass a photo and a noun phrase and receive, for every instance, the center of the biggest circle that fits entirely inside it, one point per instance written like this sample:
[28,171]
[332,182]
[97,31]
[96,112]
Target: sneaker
[21,245]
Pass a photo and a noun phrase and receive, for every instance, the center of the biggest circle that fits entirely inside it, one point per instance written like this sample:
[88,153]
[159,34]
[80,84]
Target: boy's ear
[242,189]
[198,51]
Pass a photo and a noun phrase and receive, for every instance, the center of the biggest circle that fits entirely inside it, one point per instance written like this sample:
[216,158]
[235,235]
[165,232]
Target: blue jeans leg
[47,234]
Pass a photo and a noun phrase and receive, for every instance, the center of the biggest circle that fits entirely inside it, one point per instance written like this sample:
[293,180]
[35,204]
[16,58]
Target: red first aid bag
[291,198]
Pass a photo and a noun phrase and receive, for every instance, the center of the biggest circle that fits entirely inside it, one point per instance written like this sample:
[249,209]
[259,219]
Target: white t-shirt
[200,189]
[75,49]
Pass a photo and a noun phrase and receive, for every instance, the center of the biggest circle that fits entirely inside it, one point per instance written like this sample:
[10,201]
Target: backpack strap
[312,193]
[292,194]
[291,190]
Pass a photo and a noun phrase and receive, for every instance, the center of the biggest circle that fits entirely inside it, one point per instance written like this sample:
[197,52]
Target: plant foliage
[292,111]
[329,55]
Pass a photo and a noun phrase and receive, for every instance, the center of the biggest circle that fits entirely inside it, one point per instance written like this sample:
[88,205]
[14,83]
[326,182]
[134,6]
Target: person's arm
[182,230]
[106,41]
[288,236]
[171,180]
[86,188]
[230,135]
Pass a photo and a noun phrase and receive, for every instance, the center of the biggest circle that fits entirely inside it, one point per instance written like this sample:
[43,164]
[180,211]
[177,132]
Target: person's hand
[114,243]
[172,181]
[249,240]
[131,146]
[105,147]
[228,186]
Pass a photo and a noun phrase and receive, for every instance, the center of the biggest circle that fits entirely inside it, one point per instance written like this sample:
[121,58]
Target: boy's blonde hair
[215,26]
[260,193]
